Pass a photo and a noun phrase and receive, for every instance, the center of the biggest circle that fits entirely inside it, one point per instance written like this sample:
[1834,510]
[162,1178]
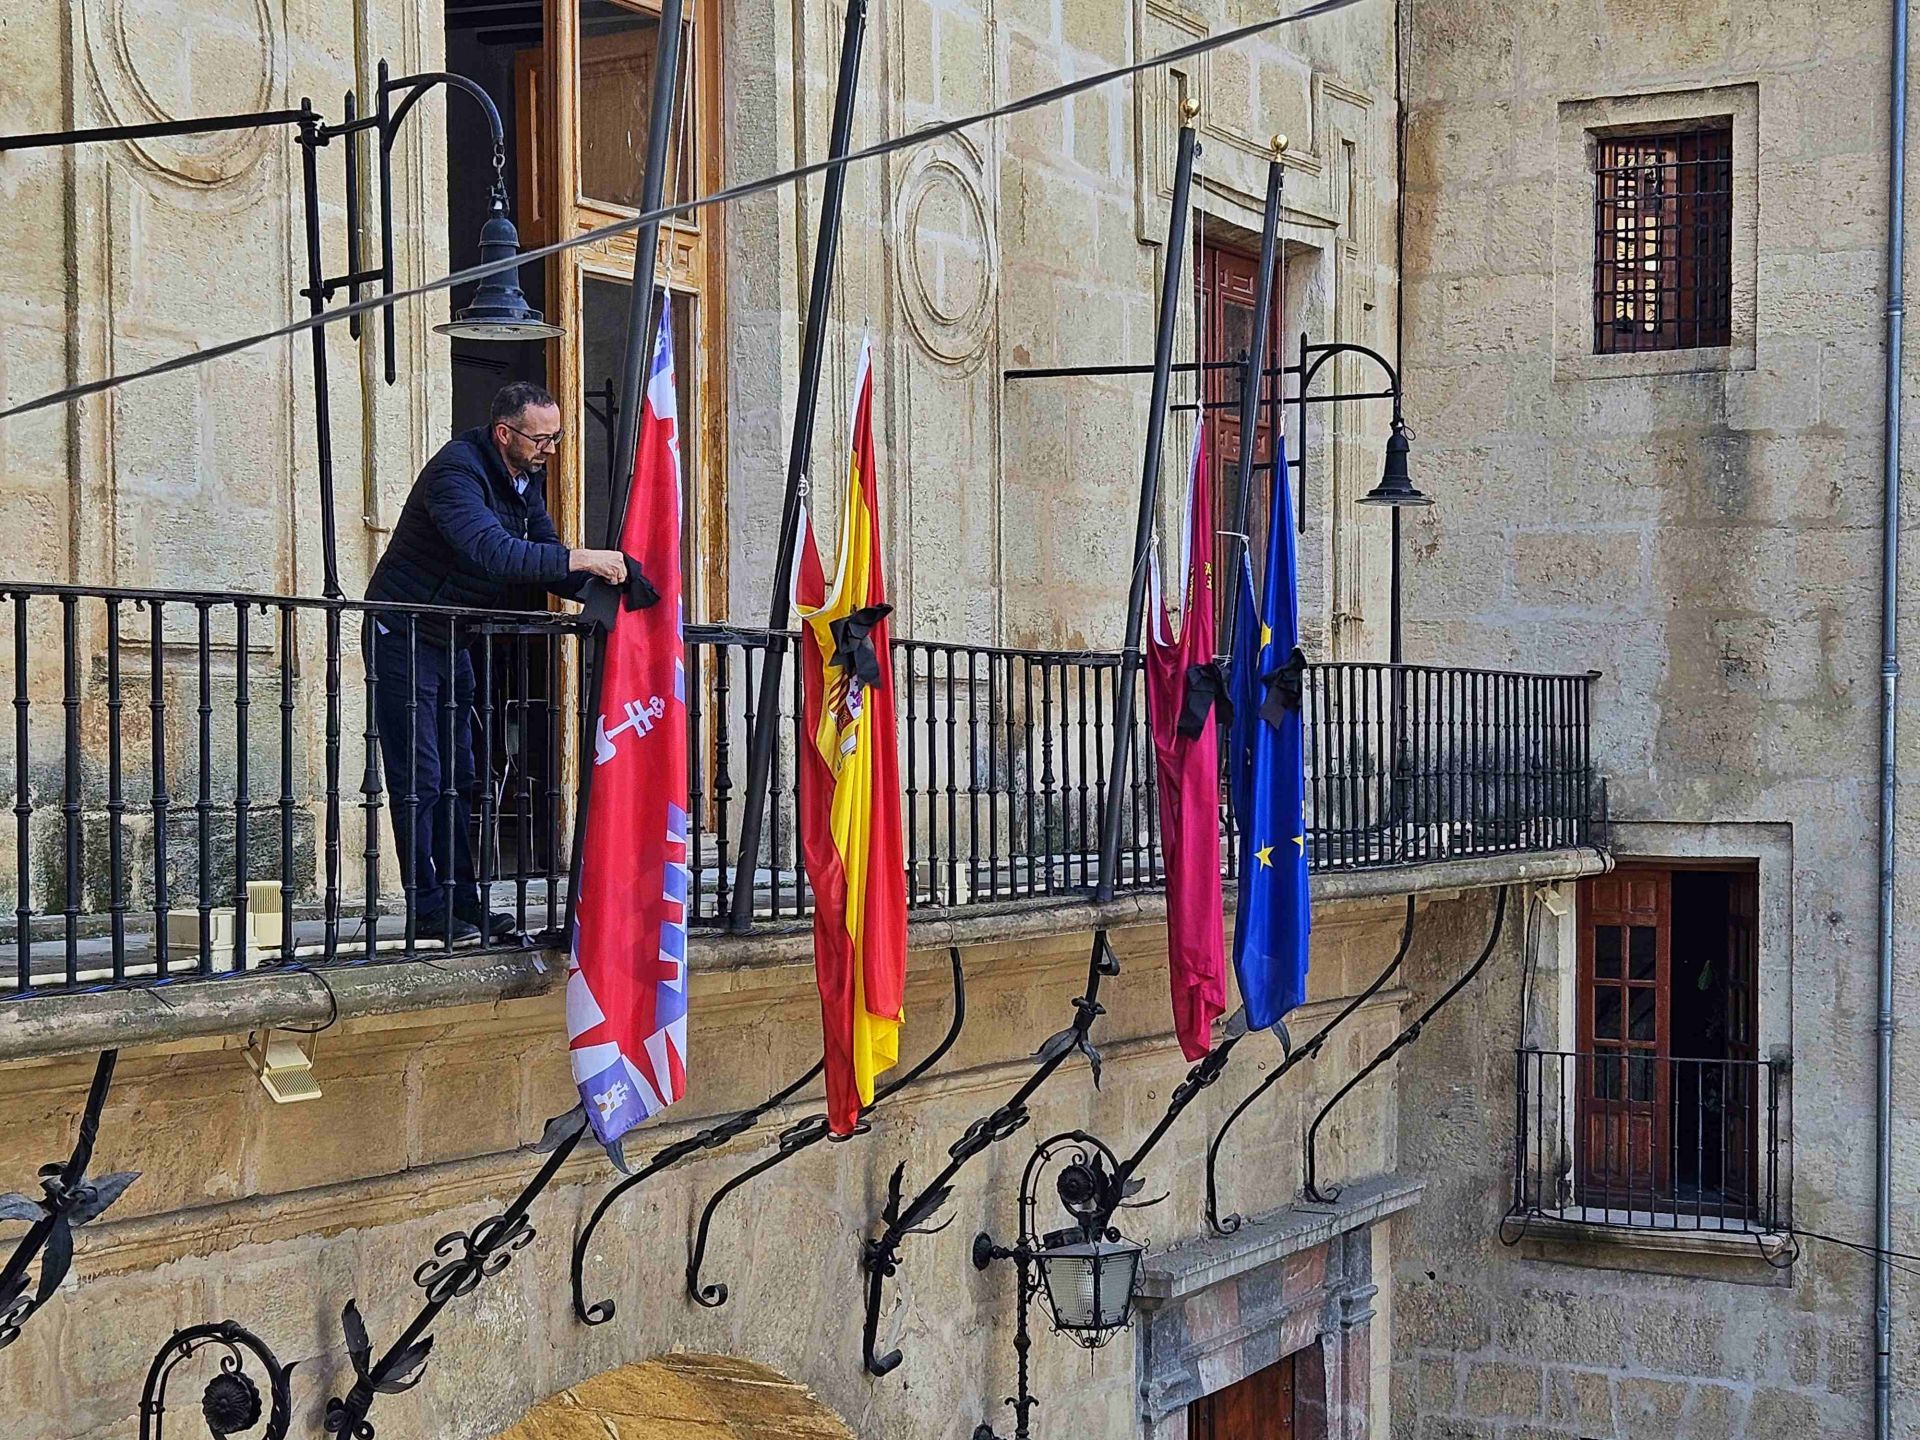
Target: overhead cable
[911,140]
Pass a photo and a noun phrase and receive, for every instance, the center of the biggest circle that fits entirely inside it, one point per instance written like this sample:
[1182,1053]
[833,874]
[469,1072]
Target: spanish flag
[850,787]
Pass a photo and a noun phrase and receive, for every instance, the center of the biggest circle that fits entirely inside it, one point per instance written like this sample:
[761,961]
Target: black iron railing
[199,787]
[1649,1142]
[181,762]
[1004,757]
[1003,765]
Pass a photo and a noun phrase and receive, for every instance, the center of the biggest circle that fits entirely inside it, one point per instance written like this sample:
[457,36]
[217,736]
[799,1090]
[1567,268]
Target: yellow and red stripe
[850,795]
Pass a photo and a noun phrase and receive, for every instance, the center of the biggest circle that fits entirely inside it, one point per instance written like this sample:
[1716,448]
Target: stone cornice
[77,1024]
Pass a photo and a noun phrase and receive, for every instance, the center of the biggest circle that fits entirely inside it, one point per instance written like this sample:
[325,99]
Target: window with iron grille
[1663,241]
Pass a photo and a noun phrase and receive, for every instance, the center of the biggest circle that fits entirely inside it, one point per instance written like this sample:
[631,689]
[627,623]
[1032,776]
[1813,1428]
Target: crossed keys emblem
[640,719]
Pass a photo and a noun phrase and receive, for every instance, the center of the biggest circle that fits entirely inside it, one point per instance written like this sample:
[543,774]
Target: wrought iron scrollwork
[712,1137]
[1226,1225]
[461,1260]
[805,1133]
[70,1201]
[231,1402]
[900,1217]
[1091,1184]
[1399,1042]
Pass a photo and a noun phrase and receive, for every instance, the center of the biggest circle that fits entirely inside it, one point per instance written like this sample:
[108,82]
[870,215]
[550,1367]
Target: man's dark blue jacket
[467,537]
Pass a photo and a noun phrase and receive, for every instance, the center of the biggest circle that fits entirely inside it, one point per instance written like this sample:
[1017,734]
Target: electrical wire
[1861,1246]
[911,140]
[1529,959]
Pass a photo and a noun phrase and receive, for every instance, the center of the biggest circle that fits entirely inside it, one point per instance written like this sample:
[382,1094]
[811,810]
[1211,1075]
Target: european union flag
[1267,774]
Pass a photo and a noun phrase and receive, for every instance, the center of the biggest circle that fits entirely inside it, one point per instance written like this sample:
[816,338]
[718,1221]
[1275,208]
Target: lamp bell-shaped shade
[1090,1287]
[499,310]
[1396,486]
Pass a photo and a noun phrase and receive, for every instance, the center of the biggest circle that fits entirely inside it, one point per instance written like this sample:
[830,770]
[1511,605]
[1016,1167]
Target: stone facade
[276,1215]
[1704,526]
[1701,528]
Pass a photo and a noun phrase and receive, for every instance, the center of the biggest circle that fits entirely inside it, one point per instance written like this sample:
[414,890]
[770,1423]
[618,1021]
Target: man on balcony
[475,532]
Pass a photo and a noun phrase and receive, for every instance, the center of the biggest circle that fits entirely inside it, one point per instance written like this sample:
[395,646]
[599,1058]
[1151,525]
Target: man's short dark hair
[512,400]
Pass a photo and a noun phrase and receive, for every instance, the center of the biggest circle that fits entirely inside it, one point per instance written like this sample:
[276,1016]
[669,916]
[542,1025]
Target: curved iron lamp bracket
[461,1260]
[230,1404]
[416,86]
[1228,1224]
[880,1256]
[1091,1186]
[385,121]
[1399,1042]
[725,1129]
[804,1135]
[1312,357]
[69,1201]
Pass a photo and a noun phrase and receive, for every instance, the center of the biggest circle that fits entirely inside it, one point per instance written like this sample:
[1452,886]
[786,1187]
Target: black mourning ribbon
[853,648]
[601,603]
[1283,689]
[1206,693]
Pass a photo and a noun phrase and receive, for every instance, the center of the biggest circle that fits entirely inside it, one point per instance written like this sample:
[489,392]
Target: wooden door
[1229,282]
[1624,1086]
[1258,1407]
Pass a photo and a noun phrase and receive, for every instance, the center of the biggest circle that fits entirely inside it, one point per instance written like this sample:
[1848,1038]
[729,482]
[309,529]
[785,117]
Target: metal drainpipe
[1889,767]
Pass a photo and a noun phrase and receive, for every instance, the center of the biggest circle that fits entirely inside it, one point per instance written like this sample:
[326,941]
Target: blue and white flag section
[1267,774]
[627,984]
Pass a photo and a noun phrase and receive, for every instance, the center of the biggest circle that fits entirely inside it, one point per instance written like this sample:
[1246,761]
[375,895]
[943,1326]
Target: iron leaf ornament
[69,1201]
[397,1372]
[461,1261]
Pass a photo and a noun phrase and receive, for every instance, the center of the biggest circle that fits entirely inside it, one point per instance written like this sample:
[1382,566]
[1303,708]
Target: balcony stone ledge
[40,1027]
[1734,1255]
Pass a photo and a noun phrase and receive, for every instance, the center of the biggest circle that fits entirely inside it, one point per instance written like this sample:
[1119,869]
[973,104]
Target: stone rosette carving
[946,252]
[139,68]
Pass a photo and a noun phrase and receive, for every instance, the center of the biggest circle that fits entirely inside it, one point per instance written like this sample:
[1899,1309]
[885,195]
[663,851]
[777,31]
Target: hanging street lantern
[1087,1272]
[1089,1284]
[1396,487]
[499,308]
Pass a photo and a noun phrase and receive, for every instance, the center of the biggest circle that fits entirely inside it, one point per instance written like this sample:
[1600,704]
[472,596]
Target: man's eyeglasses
[550,441]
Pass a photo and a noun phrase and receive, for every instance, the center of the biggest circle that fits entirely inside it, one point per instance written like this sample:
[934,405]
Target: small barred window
[1663,241]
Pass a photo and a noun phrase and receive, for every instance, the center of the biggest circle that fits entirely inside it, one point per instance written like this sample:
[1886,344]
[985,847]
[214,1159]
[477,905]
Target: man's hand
[608,565]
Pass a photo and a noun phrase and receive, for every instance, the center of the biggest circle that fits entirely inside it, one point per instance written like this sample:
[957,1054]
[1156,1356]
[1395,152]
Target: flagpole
[646,258]
[1174,260]
[766,733]
[633,381]
[1253,375]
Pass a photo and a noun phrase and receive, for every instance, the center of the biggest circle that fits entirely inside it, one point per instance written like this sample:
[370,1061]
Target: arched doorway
[682,1397]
